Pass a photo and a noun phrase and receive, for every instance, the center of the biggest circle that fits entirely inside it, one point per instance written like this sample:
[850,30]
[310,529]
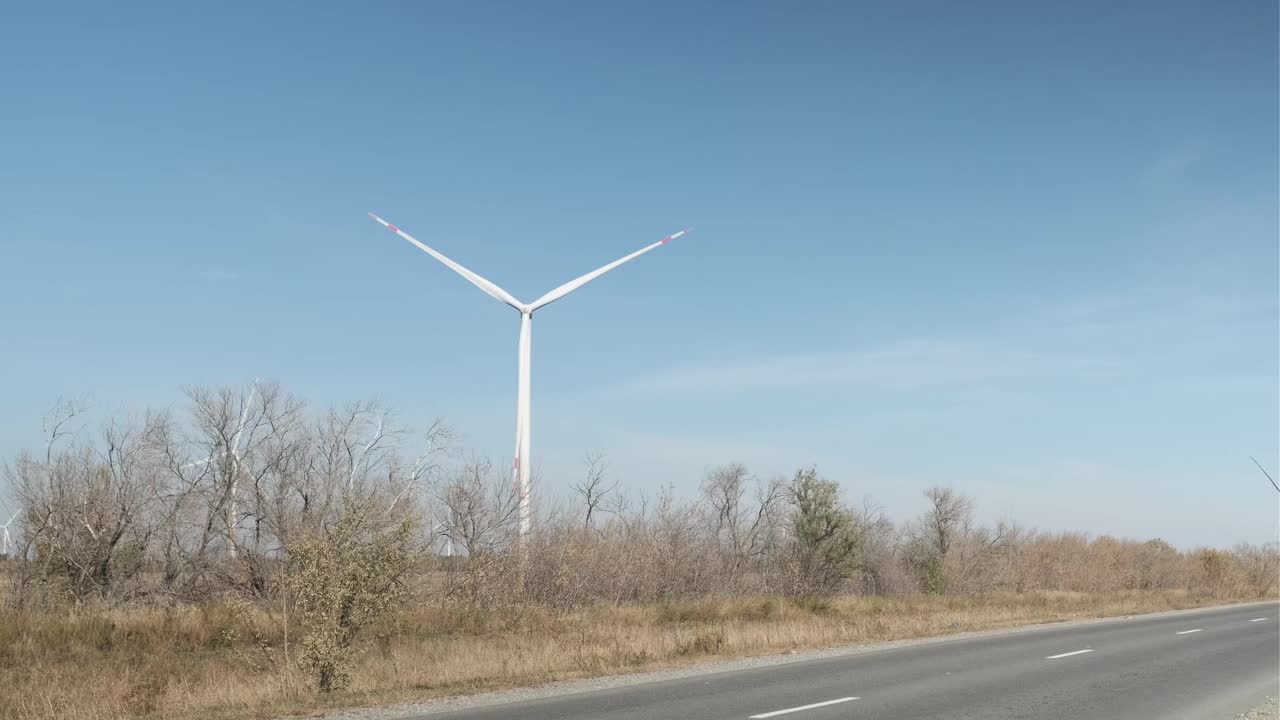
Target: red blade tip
[673,236]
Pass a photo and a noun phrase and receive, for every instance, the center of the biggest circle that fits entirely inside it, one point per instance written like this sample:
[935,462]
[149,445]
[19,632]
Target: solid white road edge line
[802,707]
[1077,652]
[1188,632]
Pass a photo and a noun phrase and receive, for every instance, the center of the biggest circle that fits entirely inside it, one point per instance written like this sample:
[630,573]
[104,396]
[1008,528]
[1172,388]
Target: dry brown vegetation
[253,561]
[215,662]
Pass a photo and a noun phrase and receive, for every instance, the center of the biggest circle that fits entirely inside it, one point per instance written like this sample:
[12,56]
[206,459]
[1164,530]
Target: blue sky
[1028,251]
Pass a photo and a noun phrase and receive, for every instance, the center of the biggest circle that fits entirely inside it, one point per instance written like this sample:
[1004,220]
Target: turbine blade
[493,290]
[572,285]
[244,417]
[1264,472]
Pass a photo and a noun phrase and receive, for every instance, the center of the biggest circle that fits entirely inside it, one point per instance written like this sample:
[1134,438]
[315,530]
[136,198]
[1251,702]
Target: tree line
[336,515]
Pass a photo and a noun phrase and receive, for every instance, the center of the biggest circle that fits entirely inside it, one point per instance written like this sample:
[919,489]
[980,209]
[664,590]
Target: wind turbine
[7,543]
[447,535]
[521,465]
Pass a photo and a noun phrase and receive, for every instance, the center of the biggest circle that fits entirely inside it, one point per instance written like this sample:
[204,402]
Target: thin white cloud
[1103,336]
[908,365]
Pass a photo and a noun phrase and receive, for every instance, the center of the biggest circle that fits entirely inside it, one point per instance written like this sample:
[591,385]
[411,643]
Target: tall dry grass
[220,661]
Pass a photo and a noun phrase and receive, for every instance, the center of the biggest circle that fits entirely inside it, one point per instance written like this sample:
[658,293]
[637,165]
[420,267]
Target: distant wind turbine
[521,465]
[440,529]
[6,544]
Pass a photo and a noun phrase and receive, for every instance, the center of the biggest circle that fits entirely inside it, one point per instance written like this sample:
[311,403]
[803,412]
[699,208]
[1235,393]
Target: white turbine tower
[521,466]
[444,532]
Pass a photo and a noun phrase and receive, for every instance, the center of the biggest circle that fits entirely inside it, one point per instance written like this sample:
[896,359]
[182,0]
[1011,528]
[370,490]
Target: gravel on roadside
[1270,710]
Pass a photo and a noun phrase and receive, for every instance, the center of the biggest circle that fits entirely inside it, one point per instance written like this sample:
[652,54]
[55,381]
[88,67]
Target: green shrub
[343,581]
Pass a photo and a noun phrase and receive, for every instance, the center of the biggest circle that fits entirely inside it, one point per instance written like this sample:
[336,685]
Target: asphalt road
[1209,664]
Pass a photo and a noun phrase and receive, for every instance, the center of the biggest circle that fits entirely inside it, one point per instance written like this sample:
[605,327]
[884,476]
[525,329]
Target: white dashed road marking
[802,707]
[1188,632]
[1258,620]
[1077,652]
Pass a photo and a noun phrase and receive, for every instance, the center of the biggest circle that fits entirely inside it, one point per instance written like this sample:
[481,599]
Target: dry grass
[217,663]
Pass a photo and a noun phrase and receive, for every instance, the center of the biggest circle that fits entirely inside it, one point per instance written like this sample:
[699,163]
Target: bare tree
[426,468]
[948,514]
[592,487]
[745,526]
[480,510]
[1259,565]
[244,456]
[878,549]
[90,513]
[931,538]
[215,506]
